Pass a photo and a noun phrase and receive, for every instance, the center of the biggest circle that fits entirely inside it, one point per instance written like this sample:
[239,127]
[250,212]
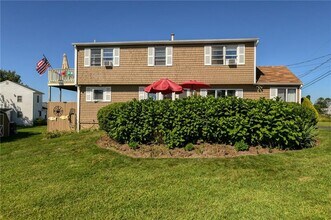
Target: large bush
[307,104]
[226,120]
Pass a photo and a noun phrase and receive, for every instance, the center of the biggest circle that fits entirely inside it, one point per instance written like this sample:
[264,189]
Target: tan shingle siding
[188,63]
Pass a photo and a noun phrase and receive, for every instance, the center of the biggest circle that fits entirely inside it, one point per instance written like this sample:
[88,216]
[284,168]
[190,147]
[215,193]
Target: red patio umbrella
[194,85]
[165,86]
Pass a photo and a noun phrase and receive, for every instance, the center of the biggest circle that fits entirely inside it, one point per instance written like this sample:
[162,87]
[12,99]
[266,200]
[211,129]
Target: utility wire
[293,64]
[324,75]
[302,66]
[317,81]
[315,68]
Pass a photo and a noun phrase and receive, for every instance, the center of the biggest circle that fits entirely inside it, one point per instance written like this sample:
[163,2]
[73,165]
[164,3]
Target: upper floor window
[159,56]
[230,52]
[96,57]
[217,55]
[285,94]
[19,98]
[38,99]
[225,55]
[101,56]
[98,94]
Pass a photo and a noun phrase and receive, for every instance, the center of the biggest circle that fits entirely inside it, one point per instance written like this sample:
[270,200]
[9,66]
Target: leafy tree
[307,104]
[10,75]
[322,103]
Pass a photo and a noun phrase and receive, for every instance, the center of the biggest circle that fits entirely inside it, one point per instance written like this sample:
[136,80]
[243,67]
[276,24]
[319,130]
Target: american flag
[42,66]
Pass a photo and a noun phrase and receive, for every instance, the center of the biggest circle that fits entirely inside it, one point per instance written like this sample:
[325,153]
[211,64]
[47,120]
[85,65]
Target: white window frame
[286,93]
[186,91]
[151,52]
[88,58]
[144,95]
[89,96]
[237,90]
[208,50]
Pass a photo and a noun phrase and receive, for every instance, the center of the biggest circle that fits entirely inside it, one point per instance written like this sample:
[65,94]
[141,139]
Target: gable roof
[25,86]
[168,42]
[276,75]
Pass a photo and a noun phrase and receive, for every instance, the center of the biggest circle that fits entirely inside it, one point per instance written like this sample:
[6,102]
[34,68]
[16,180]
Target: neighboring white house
[25,103]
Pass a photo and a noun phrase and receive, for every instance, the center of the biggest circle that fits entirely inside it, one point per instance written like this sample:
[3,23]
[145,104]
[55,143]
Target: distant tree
[10,75]
[321,104]
[307,104]
[308,97]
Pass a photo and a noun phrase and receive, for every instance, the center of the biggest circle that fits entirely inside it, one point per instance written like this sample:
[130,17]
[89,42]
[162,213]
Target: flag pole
[50,65]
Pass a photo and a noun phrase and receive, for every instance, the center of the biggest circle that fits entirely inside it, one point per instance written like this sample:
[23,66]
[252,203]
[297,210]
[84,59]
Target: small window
[231,52]
[19,114]
[217,55]
[37,98]
[95,57]
[39,112]
[287,94]
[291,94]
[97,94]
[221,93]
[160,56]
[19,98]
[211,92]
[282,94]
[231,92]
[107,55]
[152,95]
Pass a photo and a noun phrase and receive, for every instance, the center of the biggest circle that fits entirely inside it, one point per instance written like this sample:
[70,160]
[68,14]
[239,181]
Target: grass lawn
[70,177]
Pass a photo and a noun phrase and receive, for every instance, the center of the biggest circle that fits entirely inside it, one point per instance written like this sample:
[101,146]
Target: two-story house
[107,72]
[23,103]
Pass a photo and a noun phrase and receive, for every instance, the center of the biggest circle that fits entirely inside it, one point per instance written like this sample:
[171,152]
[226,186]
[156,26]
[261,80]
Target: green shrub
[133,145]
[241,146]
[307,104]
[227,120]
[189,147]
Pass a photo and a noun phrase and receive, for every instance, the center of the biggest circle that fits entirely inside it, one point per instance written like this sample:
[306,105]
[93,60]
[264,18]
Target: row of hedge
[226,120]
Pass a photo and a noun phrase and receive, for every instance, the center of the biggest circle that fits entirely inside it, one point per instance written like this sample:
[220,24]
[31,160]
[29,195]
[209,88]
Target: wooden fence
[61,116]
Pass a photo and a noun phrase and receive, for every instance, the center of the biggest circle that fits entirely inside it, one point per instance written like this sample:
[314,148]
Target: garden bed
[201,150]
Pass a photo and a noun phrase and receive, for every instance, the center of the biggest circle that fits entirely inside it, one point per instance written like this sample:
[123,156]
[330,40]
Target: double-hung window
[225,55]
[230,52]
[98,94]
[95,57]
[217,55]
[285,94]
[160,56]
[101,56]
[107,56]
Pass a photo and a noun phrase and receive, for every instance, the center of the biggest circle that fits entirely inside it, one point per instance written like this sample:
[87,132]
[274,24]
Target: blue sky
[289,32]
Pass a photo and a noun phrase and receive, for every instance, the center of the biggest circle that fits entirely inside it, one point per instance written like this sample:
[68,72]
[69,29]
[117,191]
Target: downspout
[255,44]
[300,94]
[78,93]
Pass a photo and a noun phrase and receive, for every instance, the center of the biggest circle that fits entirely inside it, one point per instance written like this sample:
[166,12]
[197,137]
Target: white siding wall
[29,106]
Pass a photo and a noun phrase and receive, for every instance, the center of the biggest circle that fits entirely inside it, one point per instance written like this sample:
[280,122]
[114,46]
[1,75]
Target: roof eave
[279,83]
[165,42]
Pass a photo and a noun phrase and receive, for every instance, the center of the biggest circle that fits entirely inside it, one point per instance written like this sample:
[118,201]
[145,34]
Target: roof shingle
[276,75]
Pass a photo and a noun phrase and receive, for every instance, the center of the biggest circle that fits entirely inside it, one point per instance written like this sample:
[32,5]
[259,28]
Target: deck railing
[61,76]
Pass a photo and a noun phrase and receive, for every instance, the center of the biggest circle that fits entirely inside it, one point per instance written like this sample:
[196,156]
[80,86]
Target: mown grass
[70,177]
